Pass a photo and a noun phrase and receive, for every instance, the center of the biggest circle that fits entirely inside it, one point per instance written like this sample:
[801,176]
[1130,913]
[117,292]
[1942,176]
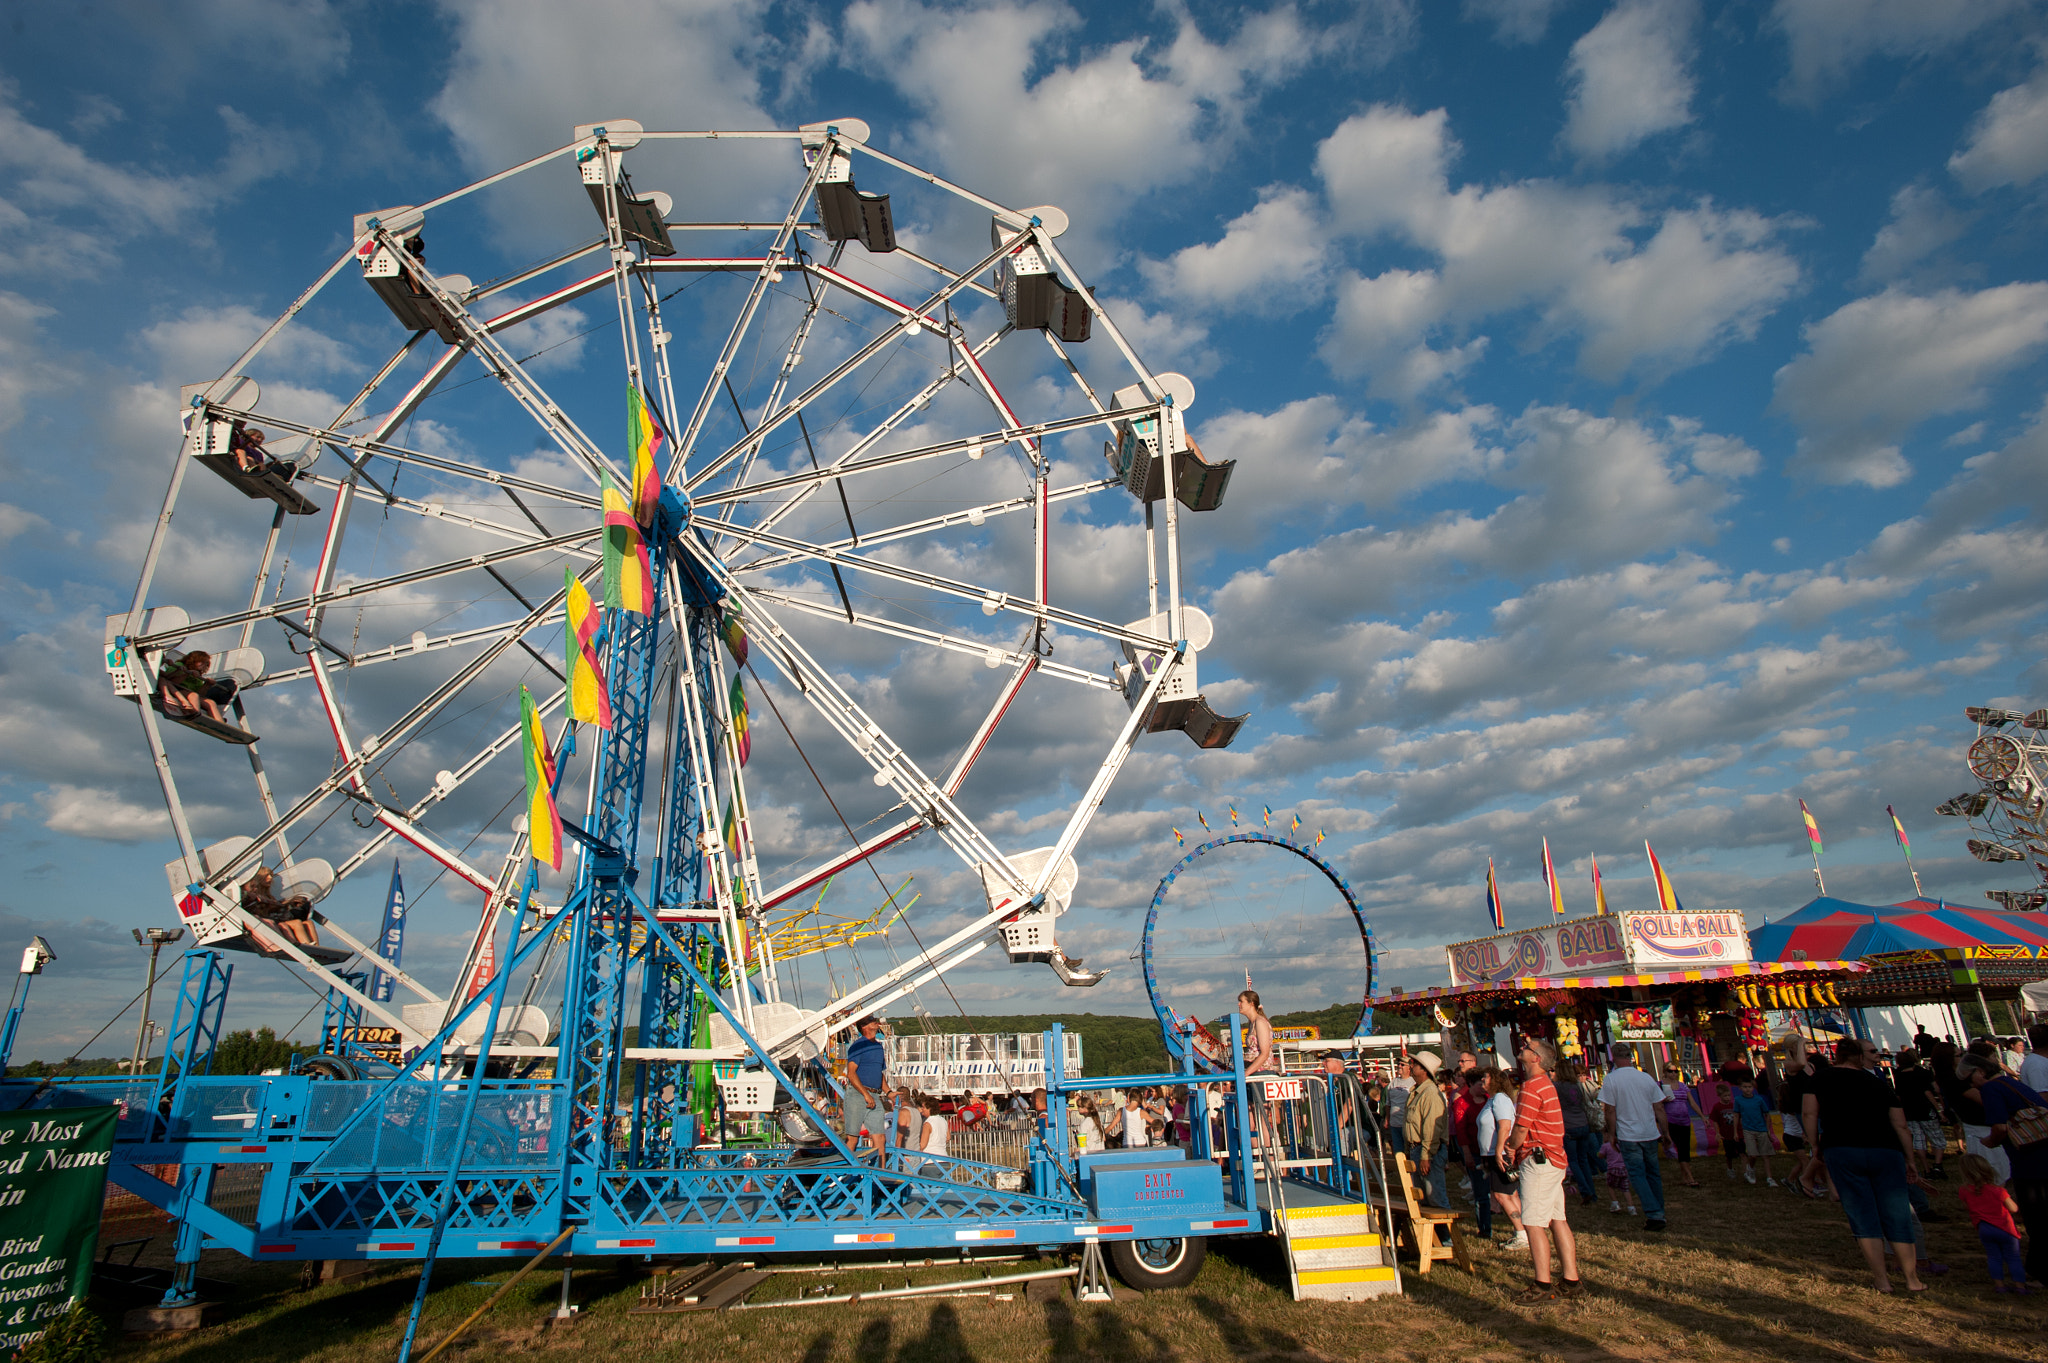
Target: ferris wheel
[888,444]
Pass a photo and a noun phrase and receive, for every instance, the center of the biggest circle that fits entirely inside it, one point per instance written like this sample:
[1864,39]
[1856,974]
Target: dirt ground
[1743,1273]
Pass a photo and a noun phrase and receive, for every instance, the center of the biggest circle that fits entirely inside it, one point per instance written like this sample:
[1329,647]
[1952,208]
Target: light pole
[156,941]
[156,1029]
[33,959]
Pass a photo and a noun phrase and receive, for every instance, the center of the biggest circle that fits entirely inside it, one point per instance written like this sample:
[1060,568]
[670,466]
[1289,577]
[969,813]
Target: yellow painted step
[1317,1277]
[1335,1209]
[1304,1243]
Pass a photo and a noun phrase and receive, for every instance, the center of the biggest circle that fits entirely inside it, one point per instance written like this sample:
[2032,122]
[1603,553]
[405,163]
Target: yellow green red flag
[589,700]
[742,732]
[628,580]
[650,443]
[543,819]
[1813,827]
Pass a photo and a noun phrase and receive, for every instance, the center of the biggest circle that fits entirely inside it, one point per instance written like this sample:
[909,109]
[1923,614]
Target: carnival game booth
[1684,985]
[1923,951]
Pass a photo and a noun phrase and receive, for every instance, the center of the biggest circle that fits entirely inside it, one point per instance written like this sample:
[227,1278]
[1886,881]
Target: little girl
[1617,1177]
[1991,1207]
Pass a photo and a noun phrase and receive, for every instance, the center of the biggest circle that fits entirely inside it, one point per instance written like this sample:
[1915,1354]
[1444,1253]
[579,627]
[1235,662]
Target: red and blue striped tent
[1829,929]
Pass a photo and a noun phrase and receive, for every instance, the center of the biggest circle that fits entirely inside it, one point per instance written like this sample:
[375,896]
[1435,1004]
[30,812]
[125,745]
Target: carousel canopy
[1834,929]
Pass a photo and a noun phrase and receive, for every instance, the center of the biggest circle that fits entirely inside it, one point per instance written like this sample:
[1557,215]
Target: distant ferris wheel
[2010,757]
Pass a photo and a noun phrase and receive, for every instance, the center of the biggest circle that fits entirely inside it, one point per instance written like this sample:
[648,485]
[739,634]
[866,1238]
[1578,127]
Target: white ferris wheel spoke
[992,656]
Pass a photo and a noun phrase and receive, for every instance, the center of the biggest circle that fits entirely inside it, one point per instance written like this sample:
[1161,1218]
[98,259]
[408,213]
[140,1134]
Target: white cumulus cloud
[2008,142]
[1630,77]
[1829,39]
[1877,367]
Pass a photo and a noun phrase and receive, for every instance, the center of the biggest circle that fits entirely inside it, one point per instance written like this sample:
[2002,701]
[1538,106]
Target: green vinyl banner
[53,1178]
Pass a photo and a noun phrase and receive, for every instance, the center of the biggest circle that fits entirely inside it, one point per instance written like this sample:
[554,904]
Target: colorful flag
[1667,893]
[1233,815]
[589,700]
[1179,838]
[1267,815]
[1204,820]
[742,736]
[391,941]
[1599,891]
[734,631]
[543,820]
[732,830]
[1550,881]
[1493,904]
[1899,829]
[1319,838]
[628,580]
[1813,829]
[650,441]
[1295,826]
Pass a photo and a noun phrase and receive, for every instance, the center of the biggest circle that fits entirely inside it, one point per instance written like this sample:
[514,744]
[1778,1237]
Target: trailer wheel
[1156,1265]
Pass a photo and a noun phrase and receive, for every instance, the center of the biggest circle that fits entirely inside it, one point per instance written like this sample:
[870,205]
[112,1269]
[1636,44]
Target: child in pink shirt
[1991,1207]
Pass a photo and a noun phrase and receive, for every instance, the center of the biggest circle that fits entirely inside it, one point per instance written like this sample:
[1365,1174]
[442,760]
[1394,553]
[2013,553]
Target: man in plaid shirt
[1536,1150]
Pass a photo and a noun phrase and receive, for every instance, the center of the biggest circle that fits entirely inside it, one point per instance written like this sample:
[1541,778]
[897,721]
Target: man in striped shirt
[1536,1150]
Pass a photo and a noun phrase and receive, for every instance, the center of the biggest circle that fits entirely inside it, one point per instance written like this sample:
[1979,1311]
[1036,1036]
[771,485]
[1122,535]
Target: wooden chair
[1432,1232]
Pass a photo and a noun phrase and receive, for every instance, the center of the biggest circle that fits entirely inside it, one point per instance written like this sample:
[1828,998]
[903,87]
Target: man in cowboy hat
[1425,1126]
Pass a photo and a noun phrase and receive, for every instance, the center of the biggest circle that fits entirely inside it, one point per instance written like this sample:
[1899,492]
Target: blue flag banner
[391,942]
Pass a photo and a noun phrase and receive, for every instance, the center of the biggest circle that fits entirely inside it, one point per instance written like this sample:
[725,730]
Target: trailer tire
[1157,1265]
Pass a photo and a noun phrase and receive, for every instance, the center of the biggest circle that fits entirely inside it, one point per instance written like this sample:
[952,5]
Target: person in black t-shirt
[1921,1097]
[1860,1125]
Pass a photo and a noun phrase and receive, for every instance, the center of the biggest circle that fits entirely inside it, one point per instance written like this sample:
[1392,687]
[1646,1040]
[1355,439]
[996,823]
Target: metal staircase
[1337,1252]
[1318,1191]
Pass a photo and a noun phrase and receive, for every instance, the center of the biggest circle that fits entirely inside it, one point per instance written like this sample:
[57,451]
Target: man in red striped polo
[1535,1149]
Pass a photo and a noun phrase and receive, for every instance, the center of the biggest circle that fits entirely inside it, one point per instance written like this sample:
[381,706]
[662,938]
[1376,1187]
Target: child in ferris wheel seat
[246,444]
[294,915]
[186,690]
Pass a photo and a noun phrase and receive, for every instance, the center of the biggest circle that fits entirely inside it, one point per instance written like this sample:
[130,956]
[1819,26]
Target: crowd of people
[1861,1128]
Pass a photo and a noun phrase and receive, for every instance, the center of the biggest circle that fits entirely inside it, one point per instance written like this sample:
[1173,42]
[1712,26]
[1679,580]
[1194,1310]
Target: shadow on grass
[1258,1257]
[1805,1328]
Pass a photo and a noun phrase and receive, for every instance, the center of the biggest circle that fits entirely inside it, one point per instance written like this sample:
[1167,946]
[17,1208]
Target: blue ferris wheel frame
[1175,1042]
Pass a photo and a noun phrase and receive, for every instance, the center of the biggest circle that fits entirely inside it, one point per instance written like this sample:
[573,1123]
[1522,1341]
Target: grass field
[1743,1273]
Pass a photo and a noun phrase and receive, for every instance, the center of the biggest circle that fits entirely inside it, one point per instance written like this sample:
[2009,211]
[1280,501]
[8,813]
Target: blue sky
[1638,412]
